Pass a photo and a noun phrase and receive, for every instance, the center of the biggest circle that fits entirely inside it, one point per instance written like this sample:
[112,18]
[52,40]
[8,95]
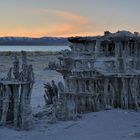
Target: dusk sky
[37,18]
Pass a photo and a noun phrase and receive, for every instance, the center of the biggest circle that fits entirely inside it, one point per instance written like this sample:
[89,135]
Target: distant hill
[33,41]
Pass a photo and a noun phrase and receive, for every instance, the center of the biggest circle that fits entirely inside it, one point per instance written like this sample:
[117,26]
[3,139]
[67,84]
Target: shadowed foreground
[104,125]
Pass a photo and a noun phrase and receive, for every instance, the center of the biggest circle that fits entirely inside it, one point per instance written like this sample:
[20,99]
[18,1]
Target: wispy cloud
[47,22]
[68,23]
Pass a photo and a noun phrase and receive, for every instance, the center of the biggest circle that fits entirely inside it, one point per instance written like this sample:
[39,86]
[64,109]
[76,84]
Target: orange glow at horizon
[38,18]
[67,24]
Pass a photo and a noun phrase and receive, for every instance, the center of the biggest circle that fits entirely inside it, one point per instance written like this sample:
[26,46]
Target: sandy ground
[39,62]
[104,125]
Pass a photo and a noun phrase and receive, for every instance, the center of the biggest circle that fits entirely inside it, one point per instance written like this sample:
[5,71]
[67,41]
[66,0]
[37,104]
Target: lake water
[33,48]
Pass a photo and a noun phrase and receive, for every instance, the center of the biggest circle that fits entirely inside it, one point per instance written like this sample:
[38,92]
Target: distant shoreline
[30,53]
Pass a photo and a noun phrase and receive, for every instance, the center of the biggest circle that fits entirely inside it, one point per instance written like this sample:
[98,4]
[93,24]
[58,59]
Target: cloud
[68,15]
[37,22]
[68,22]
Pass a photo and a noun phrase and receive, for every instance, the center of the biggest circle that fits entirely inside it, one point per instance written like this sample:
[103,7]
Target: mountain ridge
[34,41]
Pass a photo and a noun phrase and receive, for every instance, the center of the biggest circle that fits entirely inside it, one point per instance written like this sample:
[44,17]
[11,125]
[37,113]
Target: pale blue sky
[67,17]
